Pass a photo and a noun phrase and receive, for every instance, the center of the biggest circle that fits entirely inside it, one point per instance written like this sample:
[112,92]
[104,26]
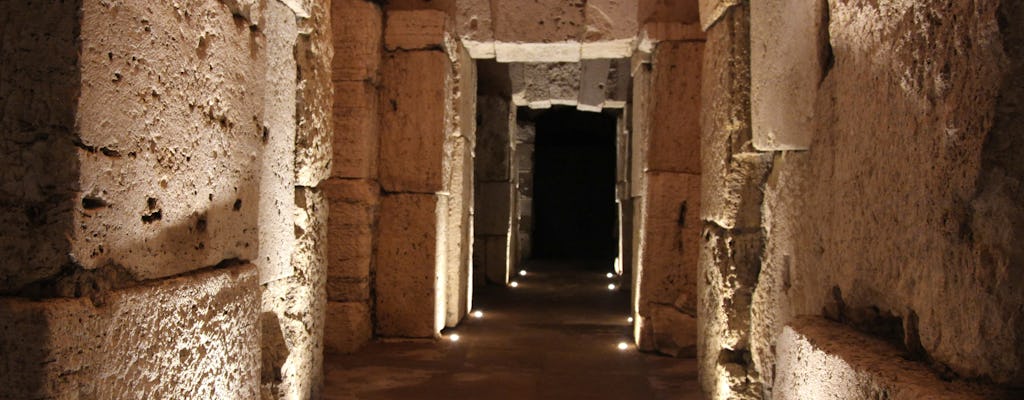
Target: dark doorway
[574,185]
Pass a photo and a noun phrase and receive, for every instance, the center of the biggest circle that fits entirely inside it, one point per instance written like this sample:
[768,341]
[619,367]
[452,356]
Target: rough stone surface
[820,359]
[352,220]
[610,20]
[358,29]
[277,185]
[788,55]
[412,101]
[356,130]
[294,307]
[406,266]
[673,142]
[415,30]
[670,240]
[168,143]
[674,331]
[203,326]
[542,21]
[711,11]
[39,162]
[899,195]
[348,327]
[314,53]
[492,144]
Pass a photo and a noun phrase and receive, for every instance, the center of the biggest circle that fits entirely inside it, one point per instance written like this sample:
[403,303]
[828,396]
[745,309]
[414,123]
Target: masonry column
[353,190]
[495,190]
[416,79]
[667,192]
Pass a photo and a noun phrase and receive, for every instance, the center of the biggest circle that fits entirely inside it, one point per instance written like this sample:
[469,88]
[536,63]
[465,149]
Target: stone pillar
[667,196]
[131,190]
[494,189]
[417,79]
[734,177]
[298,108]
[526,133]
[353,191]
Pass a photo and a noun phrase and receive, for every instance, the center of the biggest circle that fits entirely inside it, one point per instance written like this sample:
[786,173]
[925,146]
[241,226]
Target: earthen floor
[554,336]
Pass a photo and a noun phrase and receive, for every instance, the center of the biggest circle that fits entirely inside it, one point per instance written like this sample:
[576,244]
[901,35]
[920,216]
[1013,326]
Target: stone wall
[894,223]
[181,133]
[353,191]
[666,189]
[494,189]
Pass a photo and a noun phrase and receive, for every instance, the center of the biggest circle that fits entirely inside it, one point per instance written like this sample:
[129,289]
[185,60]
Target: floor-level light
[478,314]
[623,346]
[514,284]
[609,275]
[629,319]
[454,337]
[611,286]
[522,272]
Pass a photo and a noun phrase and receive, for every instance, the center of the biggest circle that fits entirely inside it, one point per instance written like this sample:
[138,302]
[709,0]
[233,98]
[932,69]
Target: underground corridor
[560,327]
[403,199]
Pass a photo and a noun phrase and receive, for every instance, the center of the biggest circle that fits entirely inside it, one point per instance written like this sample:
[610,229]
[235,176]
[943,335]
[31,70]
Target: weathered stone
[785,73]
[415,30]
[277,200]
[168,144]
[314,53]
[413,93]
[353,214]
[356,130]
[711,11]
[296,304]
[406,266]
[358,40]
[674,332]
[348,327]
[543,21]
[493,150]
[817,359]
[203,326]
[492,207]
[673,141]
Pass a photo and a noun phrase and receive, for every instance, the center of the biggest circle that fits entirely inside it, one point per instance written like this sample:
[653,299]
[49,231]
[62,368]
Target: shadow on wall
[38,170]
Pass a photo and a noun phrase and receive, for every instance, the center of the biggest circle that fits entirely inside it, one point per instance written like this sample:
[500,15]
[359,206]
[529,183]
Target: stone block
[353,216]
[204,327]
[406,266]
[496,258]
[787,57]
[608,20]
[169,180]
[356,130]
[821,359]
[277,200]
[358,40]
[735,199]
[670,239]
[713,10]
[667,11]
[294,307]
[542,21]
[415,30]
[674,332]
[345,289]
[413,100]
[493,141]
[492,209]
[348,327]
[474,26]
[673,139]
[314,54]
[38,159]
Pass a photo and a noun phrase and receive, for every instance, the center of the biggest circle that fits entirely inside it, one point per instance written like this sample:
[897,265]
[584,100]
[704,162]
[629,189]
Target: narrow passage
[554,336]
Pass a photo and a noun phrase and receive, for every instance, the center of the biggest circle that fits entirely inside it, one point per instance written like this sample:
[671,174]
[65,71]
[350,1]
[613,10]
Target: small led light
[623,346]
[611,286]
[522,272]
[514,284]
[609,275]
[629,319]
[478,314]
[454,337]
